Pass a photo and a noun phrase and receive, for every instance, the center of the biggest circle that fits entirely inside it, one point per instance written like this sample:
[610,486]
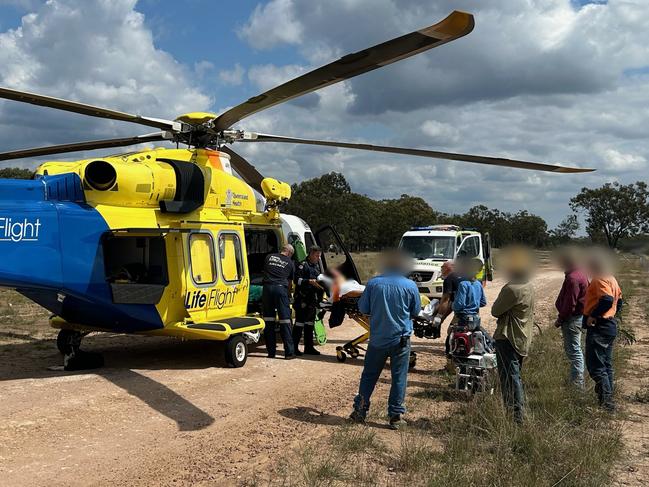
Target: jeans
[599,361]
[571,331]
[375,359]
[510,364]
[275,302]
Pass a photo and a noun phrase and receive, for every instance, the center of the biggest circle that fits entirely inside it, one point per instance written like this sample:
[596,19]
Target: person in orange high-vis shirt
[602,303]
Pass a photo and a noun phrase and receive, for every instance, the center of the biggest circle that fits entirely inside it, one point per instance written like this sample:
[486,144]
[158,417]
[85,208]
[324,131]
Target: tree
[565,230]
[614,210]
[16,173]
[529,229]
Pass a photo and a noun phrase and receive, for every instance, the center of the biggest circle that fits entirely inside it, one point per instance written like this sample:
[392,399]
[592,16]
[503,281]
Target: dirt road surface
[165,412]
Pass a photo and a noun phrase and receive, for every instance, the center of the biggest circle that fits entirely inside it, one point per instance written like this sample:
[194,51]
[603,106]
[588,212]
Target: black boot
[297,335]
[309,349]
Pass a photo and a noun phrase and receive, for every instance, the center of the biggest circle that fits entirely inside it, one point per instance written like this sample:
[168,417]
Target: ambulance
[431,246]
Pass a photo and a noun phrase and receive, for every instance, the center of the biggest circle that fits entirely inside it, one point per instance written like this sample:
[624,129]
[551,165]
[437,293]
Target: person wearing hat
[307,294]
[514,310]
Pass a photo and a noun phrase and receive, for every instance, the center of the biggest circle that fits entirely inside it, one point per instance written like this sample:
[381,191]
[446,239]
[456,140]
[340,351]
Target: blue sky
[561,81]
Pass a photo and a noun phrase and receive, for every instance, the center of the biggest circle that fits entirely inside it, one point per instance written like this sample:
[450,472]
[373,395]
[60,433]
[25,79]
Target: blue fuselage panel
[50,251]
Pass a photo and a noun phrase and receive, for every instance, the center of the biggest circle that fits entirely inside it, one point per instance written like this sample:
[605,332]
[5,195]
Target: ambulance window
[201,254]
[231,257]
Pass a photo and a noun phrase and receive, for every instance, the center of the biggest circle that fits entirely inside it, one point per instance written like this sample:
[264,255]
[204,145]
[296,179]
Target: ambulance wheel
[236,351]
[413,360]
[68,341]
[341,356]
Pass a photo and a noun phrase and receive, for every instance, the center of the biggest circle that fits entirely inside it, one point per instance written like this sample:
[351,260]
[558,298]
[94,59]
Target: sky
[557,81]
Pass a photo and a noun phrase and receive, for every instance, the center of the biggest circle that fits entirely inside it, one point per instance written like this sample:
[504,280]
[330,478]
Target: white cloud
[622,161]
[232,76]
[438,131]
[96,52]
[261,29]
[537,80]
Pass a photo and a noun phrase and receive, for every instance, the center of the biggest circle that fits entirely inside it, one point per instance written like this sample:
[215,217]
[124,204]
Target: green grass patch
[565,439]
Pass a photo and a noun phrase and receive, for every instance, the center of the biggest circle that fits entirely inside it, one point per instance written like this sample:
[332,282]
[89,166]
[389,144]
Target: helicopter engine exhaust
[100,175]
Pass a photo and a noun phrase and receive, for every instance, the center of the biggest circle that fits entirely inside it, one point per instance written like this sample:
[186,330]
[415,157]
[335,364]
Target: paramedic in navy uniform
[278,273]
[391,300]
[307,294]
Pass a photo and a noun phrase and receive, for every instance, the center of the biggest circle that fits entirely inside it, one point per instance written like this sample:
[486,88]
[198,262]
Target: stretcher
[348,306]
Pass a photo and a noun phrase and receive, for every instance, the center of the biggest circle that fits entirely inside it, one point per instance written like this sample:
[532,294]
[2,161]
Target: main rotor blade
[247,171]
[82,108]
[492,161]
[456,25]
[81,146]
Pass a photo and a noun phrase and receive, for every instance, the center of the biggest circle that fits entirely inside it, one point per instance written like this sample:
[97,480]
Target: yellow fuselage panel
[222,292]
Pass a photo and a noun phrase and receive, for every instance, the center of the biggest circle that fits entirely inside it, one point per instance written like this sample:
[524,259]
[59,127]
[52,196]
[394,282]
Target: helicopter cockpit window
[201,252]
[231,257]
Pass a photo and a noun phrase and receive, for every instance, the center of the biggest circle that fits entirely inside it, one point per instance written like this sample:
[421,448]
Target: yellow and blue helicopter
[170,241]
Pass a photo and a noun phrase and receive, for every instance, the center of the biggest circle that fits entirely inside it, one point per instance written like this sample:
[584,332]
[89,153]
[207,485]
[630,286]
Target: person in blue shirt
[470,297]
[391,300]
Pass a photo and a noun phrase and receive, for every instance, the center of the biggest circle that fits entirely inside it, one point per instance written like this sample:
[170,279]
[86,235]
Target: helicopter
[172,241]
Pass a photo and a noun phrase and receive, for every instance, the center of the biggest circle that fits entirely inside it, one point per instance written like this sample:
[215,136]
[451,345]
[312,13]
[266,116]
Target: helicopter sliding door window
[232,269]
[201,257]
[136,268]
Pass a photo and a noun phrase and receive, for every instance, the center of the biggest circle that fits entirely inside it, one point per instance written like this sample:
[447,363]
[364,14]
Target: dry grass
[565,440]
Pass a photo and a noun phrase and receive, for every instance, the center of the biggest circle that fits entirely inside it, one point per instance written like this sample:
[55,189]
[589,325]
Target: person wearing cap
[603,302]
[308,293]
[278,275]
[514,310]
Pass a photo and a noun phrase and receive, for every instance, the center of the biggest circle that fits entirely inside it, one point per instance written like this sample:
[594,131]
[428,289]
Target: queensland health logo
[19,229]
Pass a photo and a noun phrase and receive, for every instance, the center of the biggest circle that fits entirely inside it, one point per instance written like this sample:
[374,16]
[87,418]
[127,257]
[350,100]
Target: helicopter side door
[217,276]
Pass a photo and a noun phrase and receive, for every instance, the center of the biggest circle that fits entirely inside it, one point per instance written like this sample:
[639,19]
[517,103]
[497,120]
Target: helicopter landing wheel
[69,341]
[236,351]
[341,356]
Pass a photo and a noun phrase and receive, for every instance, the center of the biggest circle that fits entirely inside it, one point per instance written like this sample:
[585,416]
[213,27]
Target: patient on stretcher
[339,287]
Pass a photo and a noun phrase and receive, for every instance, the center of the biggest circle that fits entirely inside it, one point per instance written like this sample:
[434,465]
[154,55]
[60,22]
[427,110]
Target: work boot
[297,335]
[397,422]
[309,349]
[357,417]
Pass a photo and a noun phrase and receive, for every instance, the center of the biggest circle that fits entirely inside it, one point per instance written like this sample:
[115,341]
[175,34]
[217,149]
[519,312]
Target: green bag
[300,249]
[320,332]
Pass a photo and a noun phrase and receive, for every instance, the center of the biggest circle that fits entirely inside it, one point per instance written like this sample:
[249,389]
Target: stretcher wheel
[236,351]
[354,352]
[341,356]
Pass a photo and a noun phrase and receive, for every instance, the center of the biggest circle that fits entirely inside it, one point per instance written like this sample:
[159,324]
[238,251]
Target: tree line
[612,212]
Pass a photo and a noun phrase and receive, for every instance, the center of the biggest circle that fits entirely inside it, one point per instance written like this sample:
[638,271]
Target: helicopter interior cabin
[137,270]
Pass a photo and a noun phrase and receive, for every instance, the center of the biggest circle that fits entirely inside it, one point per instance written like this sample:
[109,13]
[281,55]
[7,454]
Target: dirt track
[166,412]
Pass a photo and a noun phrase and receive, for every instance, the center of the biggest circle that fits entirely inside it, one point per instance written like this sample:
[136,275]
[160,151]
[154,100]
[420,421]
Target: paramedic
[514,310]
[308,293]
[570,306]
[278,273]
[603,302]
[391,300]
